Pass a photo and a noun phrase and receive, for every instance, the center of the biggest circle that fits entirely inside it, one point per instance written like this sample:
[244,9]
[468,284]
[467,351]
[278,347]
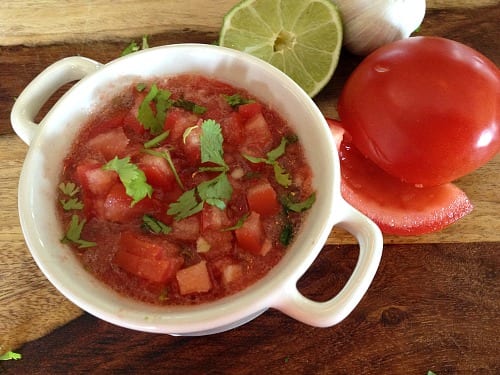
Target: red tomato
[262,198]
[249,110]
[395,206]
[424,109]
[147,259]
[250,236]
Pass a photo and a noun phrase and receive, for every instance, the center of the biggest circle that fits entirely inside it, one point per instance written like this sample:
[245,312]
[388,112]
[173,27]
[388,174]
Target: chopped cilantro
[190,106]
[237,100]
[134,47]
[157,140]
[290,205]
[280,174]
[216,191]
[74,232]
[71,204]
[286,234]
[154,120]
[211,140]
[239,223]
[70,189]
[154,225]
[132,178]
[185,206]
[9,356]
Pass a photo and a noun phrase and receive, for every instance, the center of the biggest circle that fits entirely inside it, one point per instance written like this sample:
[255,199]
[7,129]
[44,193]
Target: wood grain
[50,21]
[431,307]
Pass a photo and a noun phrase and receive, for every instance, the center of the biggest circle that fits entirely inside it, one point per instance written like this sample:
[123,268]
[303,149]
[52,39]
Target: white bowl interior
[40,174]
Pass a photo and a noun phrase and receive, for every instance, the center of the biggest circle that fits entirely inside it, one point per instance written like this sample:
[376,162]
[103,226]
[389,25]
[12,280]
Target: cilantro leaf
[286,234]
[239,223]
[280,174]
[237,100]
[185,206]
[71,204]
[131,48]
[132,178]
[74,232]
[70,189]
[190,106]
[134,47]
[147,117]
[154,225]
[211,143]
[216,191]
[290,205]
[10,355]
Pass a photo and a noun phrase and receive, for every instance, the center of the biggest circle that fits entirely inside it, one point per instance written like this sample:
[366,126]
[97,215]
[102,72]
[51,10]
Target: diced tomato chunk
[187,229]
[231,273]
[249,110]
[258,138]
[148,259]
[250,237]
[177,121]
[262,198]
[117,206]
[158,172]
[194,279]
[191,145]
[95,180]
[213,218]
[232,129]
[112,143]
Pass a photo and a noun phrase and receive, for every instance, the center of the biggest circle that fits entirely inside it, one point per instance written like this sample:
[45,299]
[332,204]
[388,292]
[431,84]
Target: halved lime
[302,38]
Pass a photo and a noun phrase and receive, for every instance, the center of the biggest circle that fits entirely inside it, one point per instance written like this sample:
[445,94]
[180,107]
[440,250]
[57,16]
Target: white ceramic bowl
[50,140]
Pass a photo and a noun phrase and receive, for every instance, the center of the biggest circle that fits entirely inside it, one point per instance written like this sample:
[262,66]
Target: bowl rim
[209,317]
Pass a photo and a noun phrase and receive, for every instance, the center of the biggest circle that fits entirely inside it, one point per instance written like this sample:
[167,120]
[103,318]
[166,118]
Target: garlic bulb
[369,24]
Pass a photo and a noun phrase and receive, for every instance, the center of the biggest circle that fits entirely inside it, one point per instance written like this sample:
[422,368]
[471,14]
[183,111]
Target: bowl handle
[34,96]
[331,312]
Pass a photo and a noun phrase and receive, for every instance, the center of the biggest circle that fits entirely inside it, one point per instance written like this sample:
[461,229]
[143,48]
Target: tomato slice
[109,144]
[395,206]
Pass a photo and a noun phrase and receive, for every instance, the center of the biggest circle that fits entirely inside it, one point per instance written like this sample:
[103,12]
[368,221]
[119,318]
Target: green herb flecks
[73,234]
[237,100]
[70,189]
[132,178]
[71,204]
[154,225]
[216,191]
[286,234]
[154,120]
[280,174]
[157,140]
[134,47]
[238,224]
[190,106]
[10,356]
[291,205]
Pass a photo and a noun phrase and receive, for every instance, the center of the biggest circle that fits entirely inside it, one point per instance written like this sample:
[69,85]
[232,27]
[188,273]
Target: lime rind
[301,38]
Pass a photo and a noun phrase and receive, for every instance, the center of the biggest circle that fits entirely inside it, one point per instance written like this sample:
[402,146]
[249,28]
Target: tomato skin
[424,109]
[396,207]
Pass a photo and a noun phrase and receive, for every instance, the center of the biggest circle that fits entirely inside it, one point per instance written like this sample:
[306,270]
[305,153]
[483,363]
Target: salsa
[183,190]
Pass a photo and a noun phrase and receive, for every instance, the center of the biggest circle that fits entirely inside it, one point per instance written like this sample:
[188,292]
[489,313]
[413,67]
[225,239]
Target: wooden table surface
[433,305]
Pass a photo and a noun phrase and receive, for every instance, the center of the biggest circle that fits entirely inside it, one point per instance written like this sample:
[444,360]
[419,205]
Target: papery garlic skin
[369,24]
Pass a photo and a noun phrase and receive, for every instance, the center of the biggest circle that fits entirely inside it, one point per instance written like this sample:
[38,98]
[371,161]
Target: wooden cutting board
[35,34]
